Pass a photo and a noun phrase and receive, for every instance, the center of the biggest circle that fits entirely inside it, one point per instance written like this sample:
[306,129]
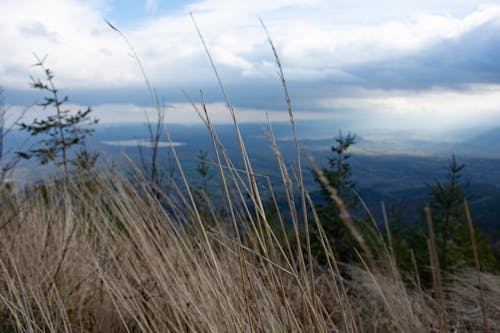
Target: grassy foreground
[107,256]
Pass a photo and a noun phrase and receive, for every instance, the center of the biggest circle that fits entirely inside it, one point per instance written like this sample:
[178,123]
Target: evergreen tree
[450,225]
[203,170]
[339,175]
[62,130]
[448,210]
[202,194]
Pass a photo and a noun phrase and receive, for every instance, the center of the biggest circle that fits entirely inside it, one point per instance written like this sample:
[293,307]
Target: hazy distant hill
[484,144]
[393,168]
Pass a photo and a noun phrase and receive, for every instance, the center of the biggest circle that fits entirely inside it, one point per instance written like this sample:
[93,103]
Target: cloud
[183,113]
[75,38]
[151,5]
[175,113]
[436,109]
[464,59]
[329,50]
[83,51]
[37,29]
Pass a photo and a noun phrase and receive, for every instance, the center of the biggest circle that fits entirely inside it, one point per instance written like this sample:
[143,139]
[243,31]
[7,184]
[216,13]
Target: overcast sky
[382,64]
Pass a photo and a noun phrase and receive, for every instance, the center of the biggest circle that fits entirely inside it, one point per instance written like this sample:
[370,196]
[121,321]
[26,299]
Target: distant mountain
[486,144]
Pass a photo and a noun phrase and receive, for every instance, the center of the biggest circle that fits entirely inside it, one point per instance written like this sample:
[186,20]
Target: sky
[367,64]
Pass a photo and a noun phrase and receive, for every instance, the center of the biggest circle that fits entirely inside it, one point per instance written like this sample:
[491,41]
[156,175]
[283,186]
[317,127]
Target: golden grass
[107,257]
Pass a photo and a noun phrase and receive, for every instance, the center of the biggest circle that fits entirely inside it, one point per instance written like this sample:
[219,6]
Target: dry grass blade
[436,272]
[288,101]
[344,215]
[477,265]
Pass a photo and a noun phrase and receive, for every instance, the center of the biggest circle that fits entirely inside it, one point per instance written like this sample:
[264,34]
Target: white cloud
[176,113]
[84,51]
[438,108]
[183,113]
[435,109]
[81,49]
[244,8]
[152,5]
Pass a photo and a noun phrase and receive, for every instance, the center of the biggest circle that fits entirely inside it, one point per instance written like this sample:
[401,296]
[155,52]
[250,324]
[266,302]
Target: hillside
[486,144]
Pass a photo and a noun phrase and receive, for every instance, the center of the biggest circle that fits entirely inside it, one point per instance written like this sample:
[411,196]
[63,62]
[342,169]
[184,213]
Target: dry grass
[107,257]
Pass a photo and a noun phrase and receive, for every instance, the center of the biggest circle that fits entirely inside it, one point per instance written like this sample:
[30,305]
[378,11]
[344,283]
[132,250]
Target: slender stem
[477,266]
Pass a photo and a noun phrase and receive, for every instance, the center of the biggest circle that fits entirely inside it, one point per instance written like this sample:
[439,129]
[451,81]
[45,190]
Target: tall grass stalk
[476,265]
[436,272]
